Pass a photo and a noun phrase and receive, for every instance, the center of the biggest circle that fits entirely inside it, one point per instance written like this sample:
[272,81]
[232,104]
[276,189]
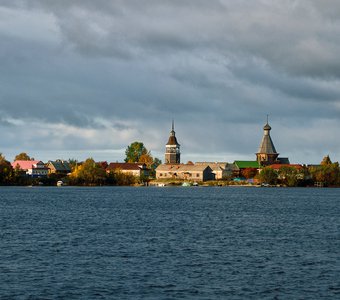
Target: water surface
[169,243]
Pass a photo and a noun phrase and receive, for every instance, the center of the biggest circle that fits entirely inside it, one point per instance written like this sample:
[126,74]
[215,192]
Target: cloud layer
[86,78]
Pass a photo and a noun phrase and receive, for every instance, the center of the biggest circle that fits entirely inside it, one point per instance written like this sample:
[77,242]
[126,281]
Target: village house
[221,170]
[135,169]
[59,166]
[189,172]
[34,168]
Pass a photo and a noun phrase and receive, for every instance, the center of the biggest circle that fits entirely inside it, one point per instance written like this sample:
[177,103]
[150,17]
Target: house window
[197,175]
[160,175]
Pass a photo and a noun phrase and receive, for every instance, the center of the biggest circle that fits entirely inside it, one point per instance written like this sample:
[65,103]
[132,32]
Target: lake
[169,243]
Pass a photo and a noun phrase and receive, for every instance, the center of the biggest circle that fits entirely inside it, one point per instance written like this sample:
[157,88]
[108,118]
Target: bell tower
[172,148]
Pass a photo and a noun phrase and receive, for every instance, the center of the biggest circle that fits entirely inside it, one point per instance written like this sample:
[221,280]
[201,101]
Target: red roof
[26,164]
[126,166]
[279,166]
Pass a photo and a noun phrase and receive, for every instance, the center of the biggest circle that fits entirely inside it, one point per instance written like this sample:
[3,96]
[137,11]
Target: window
[197,175]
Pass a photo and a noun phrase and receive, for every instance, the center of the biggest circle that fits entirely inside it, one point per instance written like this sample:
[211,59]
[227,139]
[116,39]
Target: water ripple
[176,243]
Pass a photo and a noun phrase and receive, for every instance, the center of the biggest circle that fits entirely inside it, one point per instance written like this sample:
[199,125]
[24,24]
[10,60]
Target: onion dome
[267,127]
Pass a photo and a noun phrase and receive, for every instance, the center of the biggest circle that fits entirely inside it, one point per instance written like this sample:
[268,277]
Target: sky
[83,78]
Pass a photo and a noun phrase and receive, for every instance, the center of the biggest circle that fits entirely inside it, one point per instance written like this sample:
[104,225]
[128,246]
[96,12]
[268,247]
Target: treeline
[88,172]
[325,174]
[85,173]
[91,173]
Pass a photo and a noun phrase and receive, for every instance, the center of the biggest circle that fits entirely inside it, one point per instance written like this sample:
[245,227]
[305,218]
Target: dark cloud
[100,74]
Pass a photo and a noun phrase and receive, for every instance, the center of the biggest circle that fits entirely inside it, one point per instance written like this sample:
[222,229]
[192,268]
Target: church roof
[244,164]
[172,140]
[267,145]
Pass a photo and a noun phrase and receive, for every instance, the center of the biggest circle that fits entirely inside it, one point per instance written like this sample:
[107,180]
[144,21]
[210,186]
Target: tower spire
[172,152]
[267,154]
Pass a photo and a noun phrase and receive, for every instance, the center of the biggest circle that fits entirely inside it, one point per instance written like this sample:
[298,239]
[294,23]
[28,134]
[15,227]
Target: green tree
[6,171]
[121,178]
[288,176]
[22,156]
[135,151]
[156,163]
[73,162]
[267,175]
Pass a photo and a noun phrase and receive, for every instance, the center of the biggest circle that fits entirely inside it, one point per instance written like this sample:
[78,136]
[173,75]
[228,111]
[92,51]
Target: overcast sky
[83,78]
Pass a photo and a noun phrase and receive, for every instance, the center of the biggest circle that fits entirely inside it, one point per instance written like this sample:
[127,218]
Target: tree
[248,173]
[156,163]
[6,170]
[88,173]
[268,175]
[22,156]
[135,151]
[326,161]
[288,176]
[146,159]
[121,178]
[327,173]
[73,162]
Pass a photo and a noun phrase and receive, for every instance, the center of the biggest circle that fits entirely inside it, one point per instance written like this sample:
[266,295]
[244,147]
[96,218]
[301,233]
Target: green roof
[243,164]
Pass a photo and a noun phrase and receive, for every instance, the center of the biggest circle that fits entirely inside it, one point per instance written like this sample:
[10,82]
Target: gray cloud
[115,71]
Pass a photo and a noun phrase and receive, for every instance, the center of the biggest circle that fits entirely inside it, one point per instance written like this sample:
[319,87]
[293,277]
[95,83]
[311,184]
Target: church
[203,171]
[267,154]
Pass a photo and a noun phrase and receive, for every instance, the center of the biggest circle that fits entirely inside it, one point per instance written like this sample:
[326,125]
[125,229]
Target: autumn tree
[88,173]
[248,173]
[137,153]
[146,159]
[22,156]
[326,161]
[327,173]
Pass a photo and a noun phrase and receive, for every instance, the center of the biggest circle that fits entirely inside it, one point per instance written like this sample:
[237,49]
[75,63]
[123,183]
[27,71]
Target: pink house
[31,167]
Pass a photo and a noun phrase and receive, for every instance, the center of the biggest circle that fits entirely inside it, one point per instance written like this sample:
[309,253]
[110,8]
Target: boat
[186,184]
[60,183]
